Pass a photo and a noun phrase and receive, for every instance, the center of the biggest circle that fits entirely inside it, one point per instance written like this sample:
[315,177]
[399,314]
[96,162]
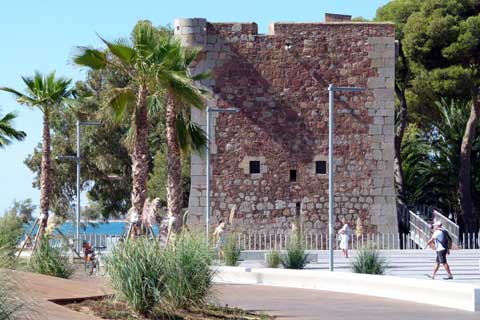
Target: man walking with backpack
[442,247]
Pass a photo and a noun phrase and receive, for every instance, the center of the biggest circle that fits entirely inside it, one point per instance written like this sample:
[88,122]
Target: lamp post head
[90,123]
[69,158]
[228,110]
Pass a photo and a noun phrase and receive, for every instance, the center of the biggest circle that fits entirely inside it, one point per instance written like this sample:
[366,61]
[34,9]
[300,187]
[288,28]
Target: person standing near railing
[442,247]
[345,234]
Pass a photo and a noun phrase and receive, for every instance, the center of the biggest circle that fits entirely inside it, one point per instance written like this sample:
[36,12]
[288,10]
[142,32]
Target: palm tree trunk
[174,171]
[45,183]
[399,179]
[140,153]
[465,179]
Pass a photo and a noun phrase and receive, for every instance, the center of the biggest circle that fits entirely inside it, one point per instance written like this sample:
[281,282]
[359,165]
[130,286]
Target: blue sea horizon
[113,228]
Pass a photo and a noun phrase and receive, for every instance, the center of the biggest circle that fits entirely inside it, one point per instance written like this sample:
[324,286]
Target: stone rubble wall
[283,122]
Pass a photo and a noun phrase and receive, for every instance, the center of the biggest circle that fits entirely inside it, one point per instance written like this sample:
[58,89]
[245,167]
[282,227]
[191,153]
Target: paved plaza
[465,264]
[286,303]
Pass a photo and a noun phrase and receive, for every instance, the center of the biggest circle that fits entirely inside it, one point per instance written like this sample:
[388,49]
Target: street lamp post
[208,171]
[77,159]
[331,123]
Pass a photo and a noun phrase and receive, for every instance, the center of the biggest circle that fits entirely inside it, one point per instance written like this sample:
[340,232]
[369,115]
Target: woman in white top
[344,237]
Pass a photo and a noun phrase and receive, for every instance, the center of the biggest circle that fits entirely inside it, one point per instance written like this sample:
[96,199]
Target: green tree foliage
[157,67]
[157,182]
[398,12]
[442,39]
[432,158]
[11,231]
[22,209]
[47,92]
[7,132]
[106,164]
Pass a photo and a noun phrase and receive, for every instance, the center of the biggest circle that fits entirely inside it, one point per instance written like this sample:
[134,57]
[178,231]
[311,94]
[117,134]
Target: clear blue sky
[41,35]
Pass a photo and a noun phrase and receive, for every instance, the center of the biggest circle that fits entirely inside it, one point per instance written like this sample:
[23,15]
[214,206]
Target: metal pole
[330,173]
[78,186]
[207,187]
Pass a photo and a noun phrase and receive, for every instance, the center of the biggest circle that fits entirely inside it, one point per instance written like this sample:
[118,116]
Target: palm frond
[7,132]
[121,100]
[154,104]
[92,58]
[190,136]
[121,50]
[202,76]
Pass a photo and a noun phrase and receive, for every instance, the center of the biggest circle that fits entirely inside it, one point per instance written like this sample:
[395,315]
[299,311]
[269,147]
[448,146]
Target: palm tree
[432,158]
[7,132]
[182,94]
[46,92]
[156,67]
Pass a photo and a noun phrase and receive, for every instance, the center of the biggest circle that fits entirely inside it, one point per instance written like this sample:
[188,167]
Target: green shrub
[232,250]
[11,231]
[273,259]
[295,257]
[51,261]
[189,277]
[157,280]
[368,261]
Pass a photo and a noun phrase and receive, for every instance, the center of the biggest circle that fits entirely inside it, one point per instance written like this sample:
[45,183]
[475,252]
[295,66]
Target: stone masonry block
[383,94]
[381,40]
[189,30]
[375,83]
[375,129]
[386,72]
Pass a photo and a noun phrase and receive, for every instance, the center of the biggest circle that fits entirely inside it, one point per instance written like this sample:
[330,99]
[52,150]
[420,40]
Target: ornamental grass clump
[232,251]
[51,261]
[137,273]
[189,277]
[273,259]
[156,280]
[368,261]
[295,256]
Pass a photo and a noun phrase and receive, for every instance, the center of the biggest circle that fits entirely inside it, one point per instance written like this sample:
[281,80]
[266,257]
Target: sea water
[113,228]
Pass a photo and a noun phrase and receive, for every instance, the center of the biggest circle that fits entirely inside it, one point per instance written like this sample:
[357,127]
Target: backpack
[449,242]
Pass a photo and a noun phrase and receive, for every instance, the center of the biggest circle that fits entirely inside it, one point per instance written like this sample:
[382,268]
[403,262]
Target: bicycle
[93,260]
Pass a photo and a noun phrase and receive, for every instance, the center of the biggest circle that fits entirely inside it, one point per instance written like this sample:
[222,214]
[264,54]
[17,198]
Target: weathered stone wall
[283,122]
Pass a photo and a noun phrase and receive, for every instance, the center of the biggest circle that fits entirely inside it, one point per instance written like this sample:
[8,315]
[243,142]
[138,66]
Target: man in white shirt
[440,236]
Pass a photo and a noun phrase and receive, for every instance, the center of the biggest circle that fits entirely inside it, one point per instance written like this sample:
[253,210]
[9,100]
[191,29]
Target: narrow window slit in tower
[254,167]
[320,167]
[293,175]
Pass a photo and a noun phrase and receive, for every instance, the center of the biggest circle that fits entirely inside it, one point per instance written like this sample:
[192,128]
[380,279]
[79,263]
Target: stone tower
[271,157]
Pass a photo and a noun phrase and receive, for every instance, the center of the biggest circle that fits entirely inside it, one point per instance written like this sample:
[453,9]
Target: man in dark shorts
[440,236]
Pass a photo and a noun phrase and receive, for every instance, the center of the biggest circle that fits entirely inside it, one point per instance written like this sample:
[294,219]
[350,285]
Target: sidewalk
[287,303]
[38,290]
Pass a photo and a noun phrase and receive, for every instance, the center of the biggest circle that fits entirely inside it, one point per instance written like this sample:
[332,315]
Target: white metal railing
[420,230]
[452,228]
[319,241]
[104,241]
